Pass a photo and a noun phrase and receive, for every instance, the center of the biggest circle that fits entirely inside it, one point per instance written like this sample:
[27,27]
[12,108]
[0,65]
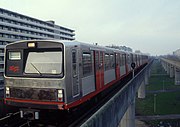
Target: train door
[75,73]
[117,66]
[99,69]
[123,66]
[131,60]
[127,63]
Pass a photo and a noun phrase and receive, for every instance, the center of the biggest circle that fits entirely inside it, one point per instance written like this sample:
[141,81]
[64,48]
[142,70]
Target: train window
[101,59]
[136,58]
[74,57]
[87,63]
[44,62]
[74,66]
[107,61]
[14,55]
[128,59]
[131,58]
[112,60]
[123,57]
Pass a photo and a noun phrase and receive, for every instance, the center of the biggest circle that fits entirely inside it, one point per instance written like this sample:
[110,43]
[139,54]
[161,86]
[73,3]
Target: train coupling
[29,114]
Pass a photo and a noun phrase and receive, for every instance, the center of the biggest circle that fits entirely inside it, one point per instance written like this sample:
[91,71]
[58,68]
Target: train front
[34,74]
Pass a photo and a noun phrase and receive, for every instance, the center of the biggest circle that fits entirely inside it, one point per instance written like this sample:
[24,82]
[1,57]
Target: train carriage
[52,74]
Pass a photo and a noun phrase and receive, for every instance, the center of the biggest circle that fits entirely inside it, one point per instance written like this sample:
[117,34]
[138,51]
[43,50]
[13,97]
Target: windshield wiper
[36,68]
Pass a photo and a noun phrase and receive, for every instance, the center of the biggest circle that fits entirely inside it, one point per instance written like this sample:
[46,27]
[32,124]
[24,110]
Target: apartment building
[15,27]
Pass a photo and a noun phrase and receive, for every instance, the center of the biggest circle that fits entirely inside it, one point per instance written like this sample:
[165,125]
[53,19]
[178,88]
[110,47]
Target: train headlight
[7,91]
[14,55]
[31,45]
[60,95]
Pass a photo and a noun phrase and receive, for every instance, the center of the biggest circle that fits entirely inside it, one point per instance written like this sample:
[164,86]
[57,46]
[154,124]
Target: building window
[1,11]
[9,28]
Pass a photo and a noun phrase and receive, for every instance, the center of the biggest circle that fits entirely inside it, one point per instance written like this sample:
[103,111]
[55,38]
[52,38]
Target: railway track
[11,120]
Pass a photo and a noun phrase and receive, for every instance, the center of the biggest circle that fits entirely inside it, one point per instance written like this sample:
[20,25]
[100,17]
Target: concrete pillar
[177,76]
[172,71]
[165,66]
[168,68]
[149,71]
[162,64]
[128,119]
[142,90]
[146,79]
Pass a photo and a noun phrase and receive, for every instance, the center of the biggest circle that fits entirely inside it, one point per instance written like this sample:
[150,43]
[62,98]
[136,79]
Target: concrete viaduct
[119,111]
[172,68]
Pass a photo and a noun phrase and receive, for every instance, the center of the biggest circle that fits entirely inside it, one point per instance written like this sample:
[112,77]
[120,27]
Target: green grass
[161,82]
[159,79]
[166,103]
[144,106]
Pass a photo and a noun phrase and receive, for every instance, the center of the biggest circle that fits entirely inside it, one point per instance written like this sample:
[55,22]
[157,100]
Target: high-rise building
[15,27]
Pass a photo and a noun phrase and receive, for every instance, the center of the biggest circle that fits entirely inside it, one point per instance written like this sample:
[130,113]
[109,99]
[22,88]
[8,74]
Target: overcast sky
[152,26]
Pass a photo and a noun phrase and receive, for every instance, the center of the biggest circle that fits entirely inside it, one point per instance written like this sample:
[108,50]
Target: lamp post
[155,103]
[163,85]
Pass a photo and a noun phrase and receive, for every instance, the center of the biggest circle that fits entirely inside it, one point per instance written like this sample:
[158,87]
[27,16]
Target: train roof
[72,43]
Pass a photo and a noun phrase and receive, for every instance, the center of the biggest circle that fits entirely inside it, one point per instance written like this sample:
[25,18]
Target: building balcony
[26,28]
[26,21]
[30,29]
[1,70]
[22,34]
[7,39]
[2,46]
[35,24]
[1,78]
[1,62]
[72,38]
[1,54]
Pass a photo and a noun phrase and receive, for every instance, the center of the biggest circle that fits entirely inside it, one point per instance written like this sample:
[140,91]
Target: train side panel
[88,71]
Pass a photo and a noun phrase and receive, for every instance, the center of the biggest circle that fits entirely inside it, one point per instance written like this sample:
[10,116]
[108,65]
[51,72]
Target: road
[158,117]
[162,91]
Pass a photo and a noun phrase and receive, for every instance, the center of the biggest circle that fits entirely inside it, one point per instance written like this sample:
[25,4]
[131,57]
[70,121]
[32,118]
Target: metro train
[55,74]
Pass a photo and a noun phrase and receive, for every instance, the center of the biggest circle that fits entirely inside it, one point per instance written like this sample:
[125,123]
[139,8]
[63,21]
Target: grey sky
[151,26]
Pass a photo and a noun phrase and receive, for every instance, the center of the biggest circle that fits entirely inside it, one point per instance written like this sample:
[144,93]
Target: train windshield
[44,63]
